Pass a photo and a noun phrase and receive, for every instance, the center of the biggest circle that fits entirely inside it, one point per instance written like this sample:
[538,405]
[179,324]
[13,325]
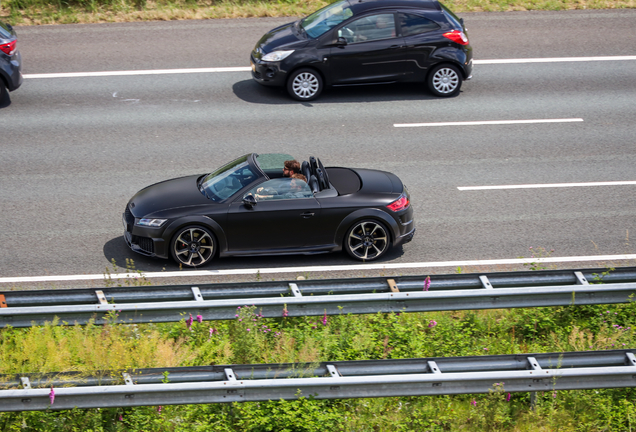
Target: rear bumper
[11,70]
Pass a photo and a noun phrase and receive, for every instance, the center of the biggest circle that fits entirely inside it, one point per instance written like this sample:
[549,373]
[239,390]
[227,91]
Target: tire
[444,80]
[367,240]
[304,85]
[193,246]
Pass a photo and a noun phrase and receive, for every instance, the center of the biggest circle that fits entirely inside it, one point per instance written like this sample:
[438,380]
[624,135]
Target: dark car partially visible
[10,60]
[355,42]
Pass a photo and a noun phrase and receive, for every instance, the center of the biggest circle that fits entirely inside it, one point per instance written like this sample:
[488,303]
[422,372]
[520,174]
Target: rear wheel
[304,85]
[367,240]
[193,246]
[444,80]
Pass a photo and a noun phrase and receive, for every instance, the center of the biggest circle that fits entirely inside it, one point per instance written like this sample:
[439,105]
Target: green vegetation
[253,339]
[28,12]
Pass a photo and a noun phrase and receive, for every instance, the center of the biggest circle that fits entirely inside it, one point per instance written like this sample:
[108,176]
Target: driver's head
[291,167]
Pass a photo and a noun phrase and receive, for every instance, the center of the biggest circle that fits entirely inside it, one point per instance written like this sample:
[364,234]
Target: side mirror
[249,201]
[341,41]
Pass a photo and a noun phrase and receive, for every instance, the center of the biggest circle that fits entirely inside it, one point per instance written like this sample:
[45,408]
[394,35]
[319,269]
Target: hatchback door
[373,52]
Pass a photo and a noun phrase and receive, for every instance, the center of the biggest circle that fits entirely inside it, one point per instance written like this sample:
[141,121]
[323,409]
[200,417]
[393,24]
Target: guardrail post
[580,279]
[101,297]
[534,365]
[392,285]
[26,384]
[631,359]
[197,294]
[433,367]
[229,374]
[127,378]
[333,371]
[485,282]
[294,289]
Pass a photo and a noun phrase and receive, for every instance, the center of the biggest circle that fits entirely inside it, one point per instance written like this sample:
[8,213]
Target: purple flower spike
[159,408]
[432,323]
[121,418]
[52,395]
[324,318]
[508,397]
[285,312]
[474,403]
[427,283]
[189,322]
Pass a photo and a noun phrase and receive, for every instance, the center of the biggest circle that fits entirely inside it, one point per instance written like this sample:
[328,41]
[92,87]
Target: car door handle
[307,215]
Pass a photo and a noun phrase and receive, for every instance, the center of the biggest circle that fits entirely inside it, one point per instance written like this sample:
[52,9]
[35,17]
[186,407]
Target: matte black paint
[305,226]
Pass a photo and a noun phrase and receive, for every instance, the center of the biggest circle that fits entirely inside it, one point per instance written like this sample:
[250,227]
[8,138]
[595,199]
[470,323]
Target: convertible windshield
[227,180]
[323,20]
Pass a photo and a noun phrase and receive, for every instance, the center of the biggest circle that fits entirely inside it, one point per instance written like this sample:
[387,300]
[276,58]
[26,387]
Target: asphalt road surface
[74,150]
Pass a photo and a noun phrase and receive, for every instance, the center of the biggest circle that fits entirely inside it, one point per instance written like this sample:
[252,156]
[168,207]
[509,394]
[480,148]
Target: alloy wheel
[305,85]
[445,80]
[193,246]
[367,241]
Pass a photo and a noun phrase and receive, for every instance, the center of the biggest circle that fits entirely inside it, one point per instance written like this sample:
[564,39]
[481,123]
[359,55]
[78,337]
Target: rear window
[4,31]
[454,19]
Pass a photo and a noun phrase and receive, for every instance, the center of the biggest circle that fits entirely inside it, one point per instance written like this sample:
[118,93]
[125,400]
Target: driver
[291,167]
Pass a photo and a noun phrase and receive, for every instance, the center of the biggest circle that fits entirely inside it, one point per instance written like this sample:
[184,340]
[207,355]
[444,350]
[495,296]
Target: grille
[146,244]
[257,75]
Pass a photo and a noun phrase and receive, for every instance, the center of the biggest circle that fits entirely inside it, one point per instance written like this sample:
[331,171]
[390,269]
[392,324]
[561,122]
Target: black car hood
[281,38]
[169,194]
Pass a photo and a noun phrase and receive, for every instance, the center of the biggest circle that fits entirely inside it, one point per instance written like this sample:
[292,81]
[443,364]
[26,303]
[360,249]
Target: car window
[323,20]
[415,24]
[369,28]
[227,180]
[4,31]
[454,19]
[273,161]
[281,189]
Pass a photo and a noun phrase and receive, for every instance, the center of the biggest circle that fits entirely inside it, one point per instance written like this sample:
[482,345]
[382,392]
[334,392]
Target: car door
[421,37]
[282,217]
[373,51]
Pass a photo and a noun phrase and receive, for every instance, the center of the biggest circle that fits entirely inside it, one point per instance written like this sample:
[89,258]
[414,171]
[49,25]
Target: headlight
[276,55]
[154,223]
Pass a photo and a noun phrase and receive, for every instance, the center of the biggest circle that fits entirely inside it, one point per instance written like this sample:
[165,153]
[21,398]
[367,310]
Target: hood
[169,194]
[284,37]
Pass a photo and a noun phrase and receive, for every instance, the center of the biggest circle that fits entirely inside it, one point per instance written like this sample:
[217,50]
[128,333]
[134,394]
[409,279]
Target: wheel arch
[449,56]
[204,221]
[358,215]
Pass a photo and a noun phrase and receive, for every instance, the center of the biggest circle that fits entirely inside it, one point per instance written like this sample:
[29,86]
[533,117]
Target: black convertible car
[247,207]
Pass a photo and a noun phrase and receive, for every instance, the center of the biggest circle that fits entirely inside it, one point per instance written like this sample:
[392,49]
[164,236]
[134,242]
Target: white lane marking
[137,72]
[547,185]
[247,69]
[489,122]
[353,267]
[554,60]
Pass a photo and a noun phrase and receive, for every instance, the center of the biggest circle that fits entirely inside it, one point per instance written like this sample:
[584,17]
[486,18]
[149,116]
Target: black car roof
[360,6]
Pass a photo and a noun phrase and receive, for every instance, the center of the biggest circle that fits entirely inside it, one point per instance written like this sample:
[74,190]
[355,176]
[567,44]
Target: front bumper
[268,73]
[142,240]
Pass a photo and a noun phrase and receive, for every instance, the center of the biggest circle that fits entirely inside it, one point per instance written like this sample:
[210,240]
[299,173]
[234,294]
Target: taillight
[399,204]
[8,48]
[457,36]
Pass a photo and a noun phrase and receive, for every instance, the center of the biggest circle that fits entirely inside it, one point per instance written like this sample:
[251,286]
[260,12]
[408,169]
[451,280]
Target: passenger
[291,167]
[299,176]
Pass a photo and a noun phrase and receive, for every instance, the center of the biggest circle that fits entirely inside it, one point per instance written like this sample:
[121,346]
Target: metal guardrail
[330,380]
[316,297]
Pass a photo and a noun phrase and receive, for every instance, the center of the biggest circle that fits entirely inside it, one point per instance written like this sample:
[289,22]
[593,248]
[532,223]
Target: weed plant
[250,338]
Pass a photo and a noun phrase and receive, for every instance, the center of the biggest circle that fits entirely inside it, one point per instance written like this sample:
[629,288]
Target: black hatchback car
[10,60]
[353,42]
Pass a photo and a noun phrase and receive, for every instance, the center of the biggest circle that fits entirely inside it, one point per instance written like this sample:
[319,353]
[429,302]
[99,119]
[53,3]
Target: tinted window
[281,189]
[374,27]
[454,19]
[415,24]
[326,18]
[4,31]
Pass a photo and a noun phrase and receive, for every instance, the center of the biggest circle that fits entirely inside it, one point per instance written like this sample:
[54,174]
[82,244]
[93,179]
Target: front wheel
[193,246]
[304,85]
[444,80]
[367,240]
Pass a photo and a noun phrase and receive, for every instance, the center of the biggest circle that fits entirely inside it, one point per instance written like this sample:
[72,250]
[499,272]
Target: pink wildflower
[285,313]
[474,403]
[189,322]
[159,408]
[508,397]
[52,395]
[324,318]
[121,417]
[427,283]
[200,319]
[432,323]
